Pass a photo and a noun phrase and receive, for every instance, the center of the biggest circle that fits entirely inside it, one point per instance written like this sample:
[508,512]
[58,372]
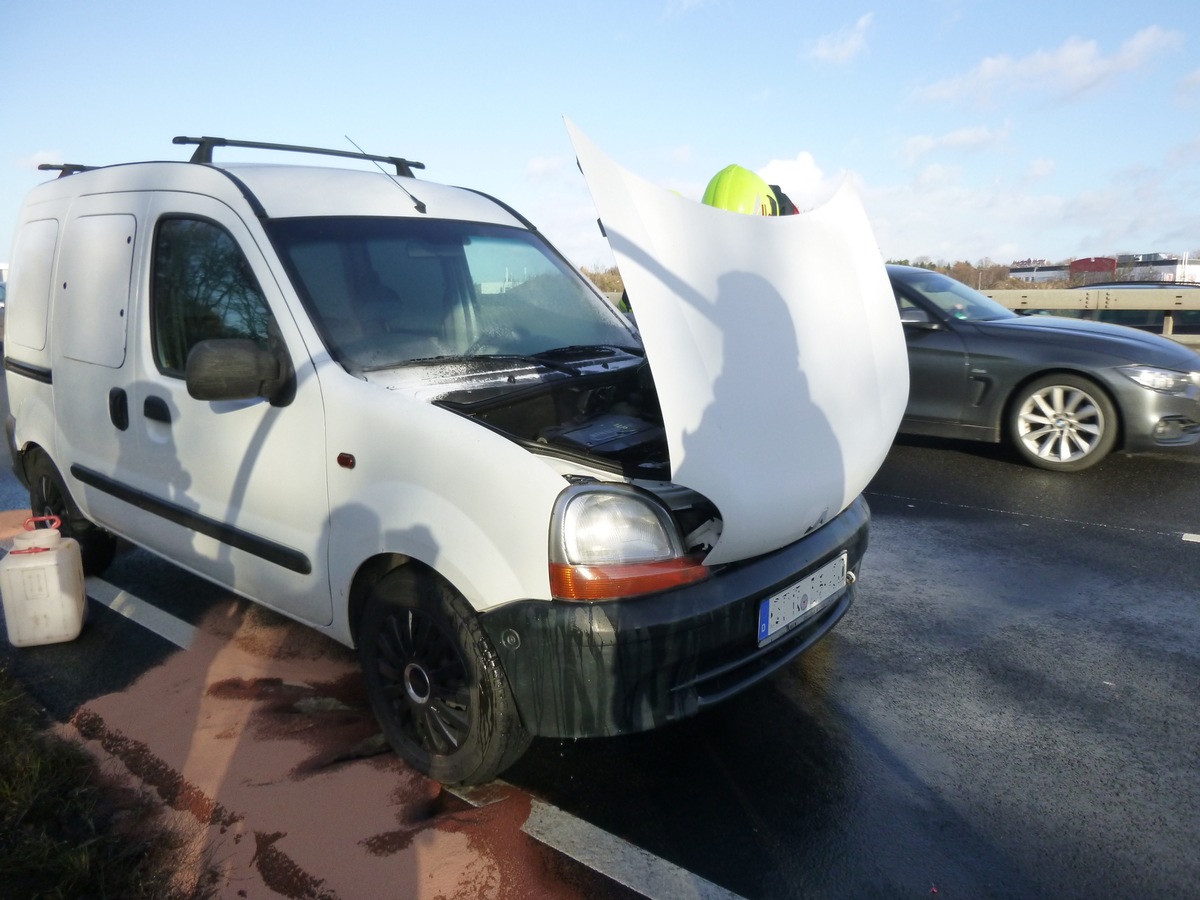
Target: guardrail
[1179,306]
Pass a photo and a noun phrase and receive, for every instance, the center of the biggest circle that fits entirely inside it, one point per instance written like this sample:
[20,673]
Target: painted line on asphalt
[150,617]
[602,852]
[613,857]
[617,859]
[1192,538]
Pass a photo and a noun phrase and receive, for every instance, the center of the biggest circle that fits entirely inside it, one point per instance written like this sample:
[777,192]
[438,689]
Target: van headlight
[611,540]
[1165,381]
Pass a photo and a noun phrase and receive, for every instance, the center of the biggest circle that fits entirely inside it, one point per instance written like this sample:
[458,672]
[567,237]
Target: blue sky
[972,129]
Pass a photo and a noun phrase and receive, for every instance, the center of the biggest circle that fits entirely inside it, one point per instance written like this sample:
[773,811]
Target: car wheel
[1064,423]
[435,683]
[48,496]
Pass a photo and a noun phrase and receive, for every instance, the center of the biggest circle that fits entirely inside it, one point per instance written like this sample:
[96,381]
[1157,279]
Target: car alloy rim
[425,679]
[1060,423]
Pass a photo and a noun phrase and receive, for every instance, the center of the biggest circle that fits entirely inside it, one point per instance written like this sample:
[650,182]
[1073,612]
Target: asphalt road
[1009,710]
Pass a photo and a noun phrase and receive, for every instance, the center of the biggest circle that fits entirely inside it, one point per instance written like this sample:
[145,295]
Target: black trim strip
[37,373]
[272,552]
[260,211]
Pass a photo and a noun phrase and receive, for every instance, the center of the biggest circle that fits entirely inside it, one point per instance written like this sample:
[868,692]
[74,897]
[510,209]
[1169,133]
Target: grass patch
[65,830]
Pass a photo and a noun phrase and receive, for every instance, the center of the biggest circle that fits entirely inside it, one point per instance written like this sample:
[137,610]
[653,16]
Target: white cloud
[843,45]
[1188,89]
[978,137]
[1185,154]
[941,214]
[802,180]
[1041,168]
[936,178]
[1075,66]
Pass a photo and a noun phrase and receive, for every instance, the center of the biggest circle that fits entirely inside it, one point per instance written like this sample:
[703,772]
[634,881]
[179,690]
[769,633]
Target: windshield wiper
[452,359]
[547,359]
[589,349]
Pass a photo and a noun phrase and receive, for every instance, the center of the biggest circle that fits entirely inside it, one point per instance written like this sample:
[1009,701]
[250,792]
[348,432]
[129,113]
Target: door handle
[156,408]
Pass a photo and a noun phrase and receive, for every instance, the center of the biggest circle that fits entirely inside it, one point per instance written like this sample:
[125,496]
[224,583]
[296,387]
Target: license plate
[781,613]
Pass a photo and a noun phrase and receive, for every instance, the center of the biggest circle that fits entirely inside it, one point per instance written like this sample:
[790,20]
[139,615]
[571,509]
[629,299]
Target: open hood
[775,345]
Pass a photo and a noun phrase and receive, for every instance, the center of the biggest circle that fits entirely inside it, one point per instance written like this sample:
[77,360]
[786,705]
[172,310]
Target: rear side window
[202,288]
[30,277]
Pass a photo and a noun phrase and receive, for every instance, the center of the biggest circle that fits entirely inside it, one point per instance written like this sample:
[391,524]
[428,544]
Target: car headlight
[611,540]
[1166,381]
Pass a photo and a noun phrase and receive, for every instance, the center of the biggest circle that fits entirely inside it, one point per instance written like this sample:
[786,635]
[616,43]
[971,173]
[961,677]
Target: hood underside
[775,346]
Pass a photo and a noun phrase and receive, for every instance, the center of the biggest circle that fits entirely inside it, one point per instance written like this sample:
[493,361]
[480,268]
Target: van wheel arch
[48,495]
[369,574]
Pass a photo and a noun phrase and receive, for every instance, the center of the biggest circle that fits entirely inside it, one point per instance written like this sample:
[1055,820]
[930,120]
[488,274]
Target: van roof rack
[204,149]
[64,169]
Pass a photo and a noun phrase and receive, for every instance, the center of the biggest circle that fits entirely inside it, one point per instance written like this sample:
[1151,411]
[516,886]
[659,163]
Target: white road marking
[617,859]
[150,617]
[611,856]
[1192,538]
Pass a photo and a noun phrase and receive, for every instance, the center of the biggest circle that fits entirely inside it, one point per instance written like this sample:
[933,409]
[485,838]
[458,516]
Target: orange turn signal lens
[611,582]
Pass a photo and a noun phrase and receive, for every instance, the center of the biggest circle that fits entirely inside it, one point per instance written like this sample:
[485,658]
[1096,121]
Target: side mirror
[917,317]
[238,369]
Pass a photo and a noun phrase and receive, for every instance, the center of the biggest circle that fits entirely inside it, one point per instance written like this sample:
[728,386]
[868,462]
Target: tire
[48,496]
[435,683]
[1064,423]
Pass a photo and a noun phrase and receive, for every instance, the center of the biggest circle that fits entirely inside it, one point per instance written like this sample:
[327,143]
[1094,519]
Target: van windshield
[387,292]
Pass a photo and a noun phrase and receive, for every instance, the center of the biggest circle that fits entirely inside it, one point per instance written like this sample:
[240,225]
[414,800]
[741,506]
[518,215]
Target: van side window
[201,287]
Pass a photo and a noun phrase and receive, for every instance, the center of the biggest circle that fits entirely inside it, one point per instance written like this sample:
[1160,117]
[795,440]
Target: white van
[389,409]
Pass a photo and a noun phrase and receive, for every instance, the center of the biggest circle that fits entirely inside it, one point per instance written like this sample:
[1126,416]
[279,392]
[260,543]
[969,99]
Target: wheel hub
[417,684]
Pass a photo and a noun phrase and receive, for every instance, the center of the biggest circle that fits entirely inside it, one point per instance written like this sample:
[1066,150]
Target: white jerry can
[41,580]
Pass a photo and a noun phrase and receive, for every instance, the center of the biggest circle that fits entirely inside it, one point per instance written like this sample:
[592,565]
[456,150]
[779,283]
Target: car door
[937,366]
[234,490]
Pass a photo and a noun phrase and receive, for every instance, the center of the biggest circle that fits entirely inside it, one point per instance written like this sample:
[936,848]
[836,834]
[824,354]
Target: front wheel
[1063,423]
[48,496]
[435,682]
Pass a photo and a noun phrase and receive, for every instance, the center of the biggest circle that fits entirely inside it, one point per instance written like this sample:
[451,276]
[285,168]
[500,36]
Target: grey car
[1065,392]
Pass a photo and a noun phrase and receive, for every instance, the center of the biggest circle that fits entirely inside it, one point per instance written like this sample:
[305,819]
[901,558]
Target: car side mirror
[918,318]
[238,369]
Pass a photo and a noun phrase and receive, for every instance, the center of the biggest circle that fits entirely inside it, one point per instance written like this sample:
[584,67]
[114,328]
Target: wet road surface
[1009,710]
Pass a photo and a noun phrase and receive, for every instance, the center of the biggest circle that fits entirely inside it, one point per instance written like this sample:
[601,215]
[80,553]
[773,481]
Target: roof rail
[204,149]
[64,169]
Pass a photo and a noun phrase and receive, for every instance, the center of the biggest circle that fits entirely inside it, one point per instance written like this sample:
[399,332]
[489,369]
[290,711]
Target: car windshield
[952,297]
[387,292]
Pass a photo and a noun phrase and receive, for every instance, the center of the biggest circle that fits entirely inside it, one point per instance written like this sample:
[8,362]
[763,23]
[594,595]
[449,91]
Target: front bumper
[1157,422]
[594,669]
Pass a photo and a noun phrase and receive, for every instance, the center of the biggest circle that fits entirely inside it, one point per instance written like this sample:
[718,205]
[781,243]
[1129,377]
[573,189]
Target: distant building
[1124,267]
[1038,270]
[1093,269]
[1156,267]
